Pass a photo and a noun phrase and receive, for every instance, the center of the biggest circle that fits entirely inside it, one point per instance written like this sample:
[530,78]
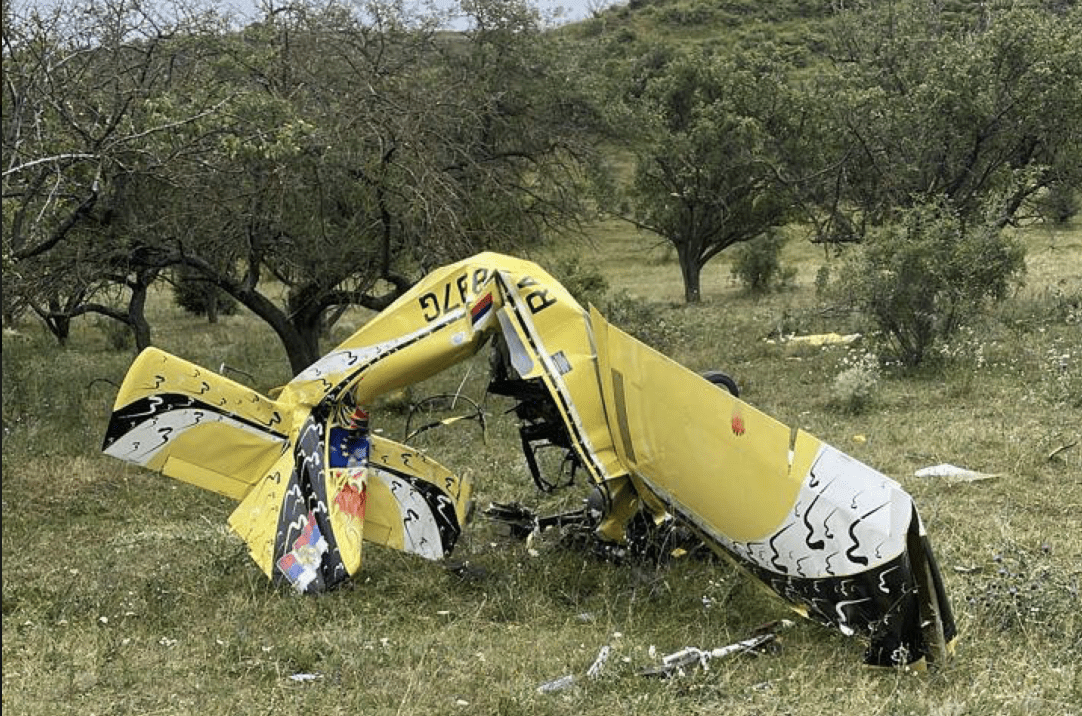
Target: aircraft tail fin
[194,425]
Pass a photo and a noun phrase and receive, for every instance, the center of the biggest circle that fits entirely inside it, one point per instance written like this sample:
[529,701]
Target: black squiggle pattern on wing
[827,532]
[774,560]
[817,544]
[882,603]
[851,552]
[137,412]
[441,507]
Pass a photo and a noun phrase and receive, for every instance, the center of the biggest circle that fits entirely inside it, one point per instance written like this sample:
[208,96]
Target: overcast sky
[569,10]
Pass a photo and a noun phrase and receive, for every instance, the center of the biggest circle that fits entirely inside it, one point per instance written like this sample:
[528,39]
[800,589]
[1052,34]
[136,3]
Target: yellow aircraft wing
[838,540]
[195,425]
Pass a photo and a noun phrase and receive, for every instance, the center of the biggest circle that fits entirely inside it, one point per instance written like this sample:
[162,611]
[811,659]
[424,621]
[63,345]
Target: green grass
[124,593]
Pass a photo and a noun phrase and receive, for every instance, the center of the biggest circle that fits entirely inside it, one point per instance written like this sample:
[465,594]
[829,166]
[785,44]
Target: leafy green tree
[919,280]
[1059,204]
[192,293]
[708,168]
[939,130]
[326,154]
[80,129]
[981,112]
[368,148]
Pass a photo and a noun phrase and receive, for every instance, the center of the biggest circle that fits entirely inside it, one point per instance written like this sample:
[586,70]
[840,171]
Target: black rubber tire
[722,380]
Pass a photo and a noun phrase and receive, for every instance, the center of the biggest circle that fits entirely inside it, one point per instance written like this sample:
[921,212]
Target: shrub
[656,325]
[854,387]
[1059,204]
[919,280]
[822,281]
[585,283]
[199,297]
[757,263]
[689,14]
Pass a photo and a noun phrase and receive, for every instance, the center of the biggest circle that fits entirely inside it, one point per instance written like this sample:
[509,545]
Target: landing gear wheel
[723,381]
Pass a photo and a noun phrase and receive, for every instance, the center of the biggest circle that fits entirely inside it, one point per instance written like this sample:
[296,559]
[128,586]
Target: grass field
[124,593]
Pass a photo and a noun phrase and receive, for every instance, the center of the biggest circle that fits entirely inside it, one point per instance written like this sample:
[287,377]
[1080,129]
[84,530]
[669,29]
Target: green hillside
[799,28]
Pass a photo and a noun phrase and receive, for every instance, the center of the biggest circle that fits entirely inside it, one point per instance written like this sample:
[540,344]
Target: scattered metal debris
[599,663]
[564,682]
[679,663]
[1052,455]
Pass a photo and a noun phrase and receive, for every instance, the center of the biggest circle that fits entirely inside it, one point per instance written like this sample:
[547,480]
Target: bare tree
[83,114]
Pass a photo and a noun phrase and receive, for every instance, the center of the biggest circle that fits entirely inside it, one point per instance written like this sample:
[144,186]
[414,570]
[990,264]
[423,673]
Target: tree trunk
[302,346]
[137,319]
[691,271]
[212,305]
[58,322]
[300,352]
[61,328]
[306,319]
[308,330]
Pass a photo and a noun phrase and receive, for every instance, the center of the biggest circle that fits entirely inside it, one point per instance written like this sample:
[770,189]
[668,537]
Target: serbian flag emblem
[481,310]
[301,565]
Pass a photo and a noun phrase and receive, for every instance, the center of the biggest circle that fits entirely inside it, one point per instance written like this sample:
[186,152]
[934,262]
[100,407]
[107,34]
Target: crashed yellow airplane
[839,541]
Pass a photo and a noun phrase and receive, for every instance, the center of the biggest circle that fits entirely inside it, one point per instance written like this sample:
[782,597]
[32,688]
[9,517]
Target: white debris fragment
[678,662]
[559,684]
[819,339]
[599,663]
[305,677]
[687,655]
[954,473]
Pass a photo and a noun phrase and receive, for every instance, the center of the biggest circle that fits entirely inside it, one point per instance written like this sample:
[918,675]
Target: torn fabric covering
[839,541]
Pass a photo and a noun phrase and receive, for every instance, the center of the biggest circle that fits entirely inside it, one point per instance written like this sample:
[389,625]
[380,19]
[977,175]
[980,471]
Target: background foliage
[338,150]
